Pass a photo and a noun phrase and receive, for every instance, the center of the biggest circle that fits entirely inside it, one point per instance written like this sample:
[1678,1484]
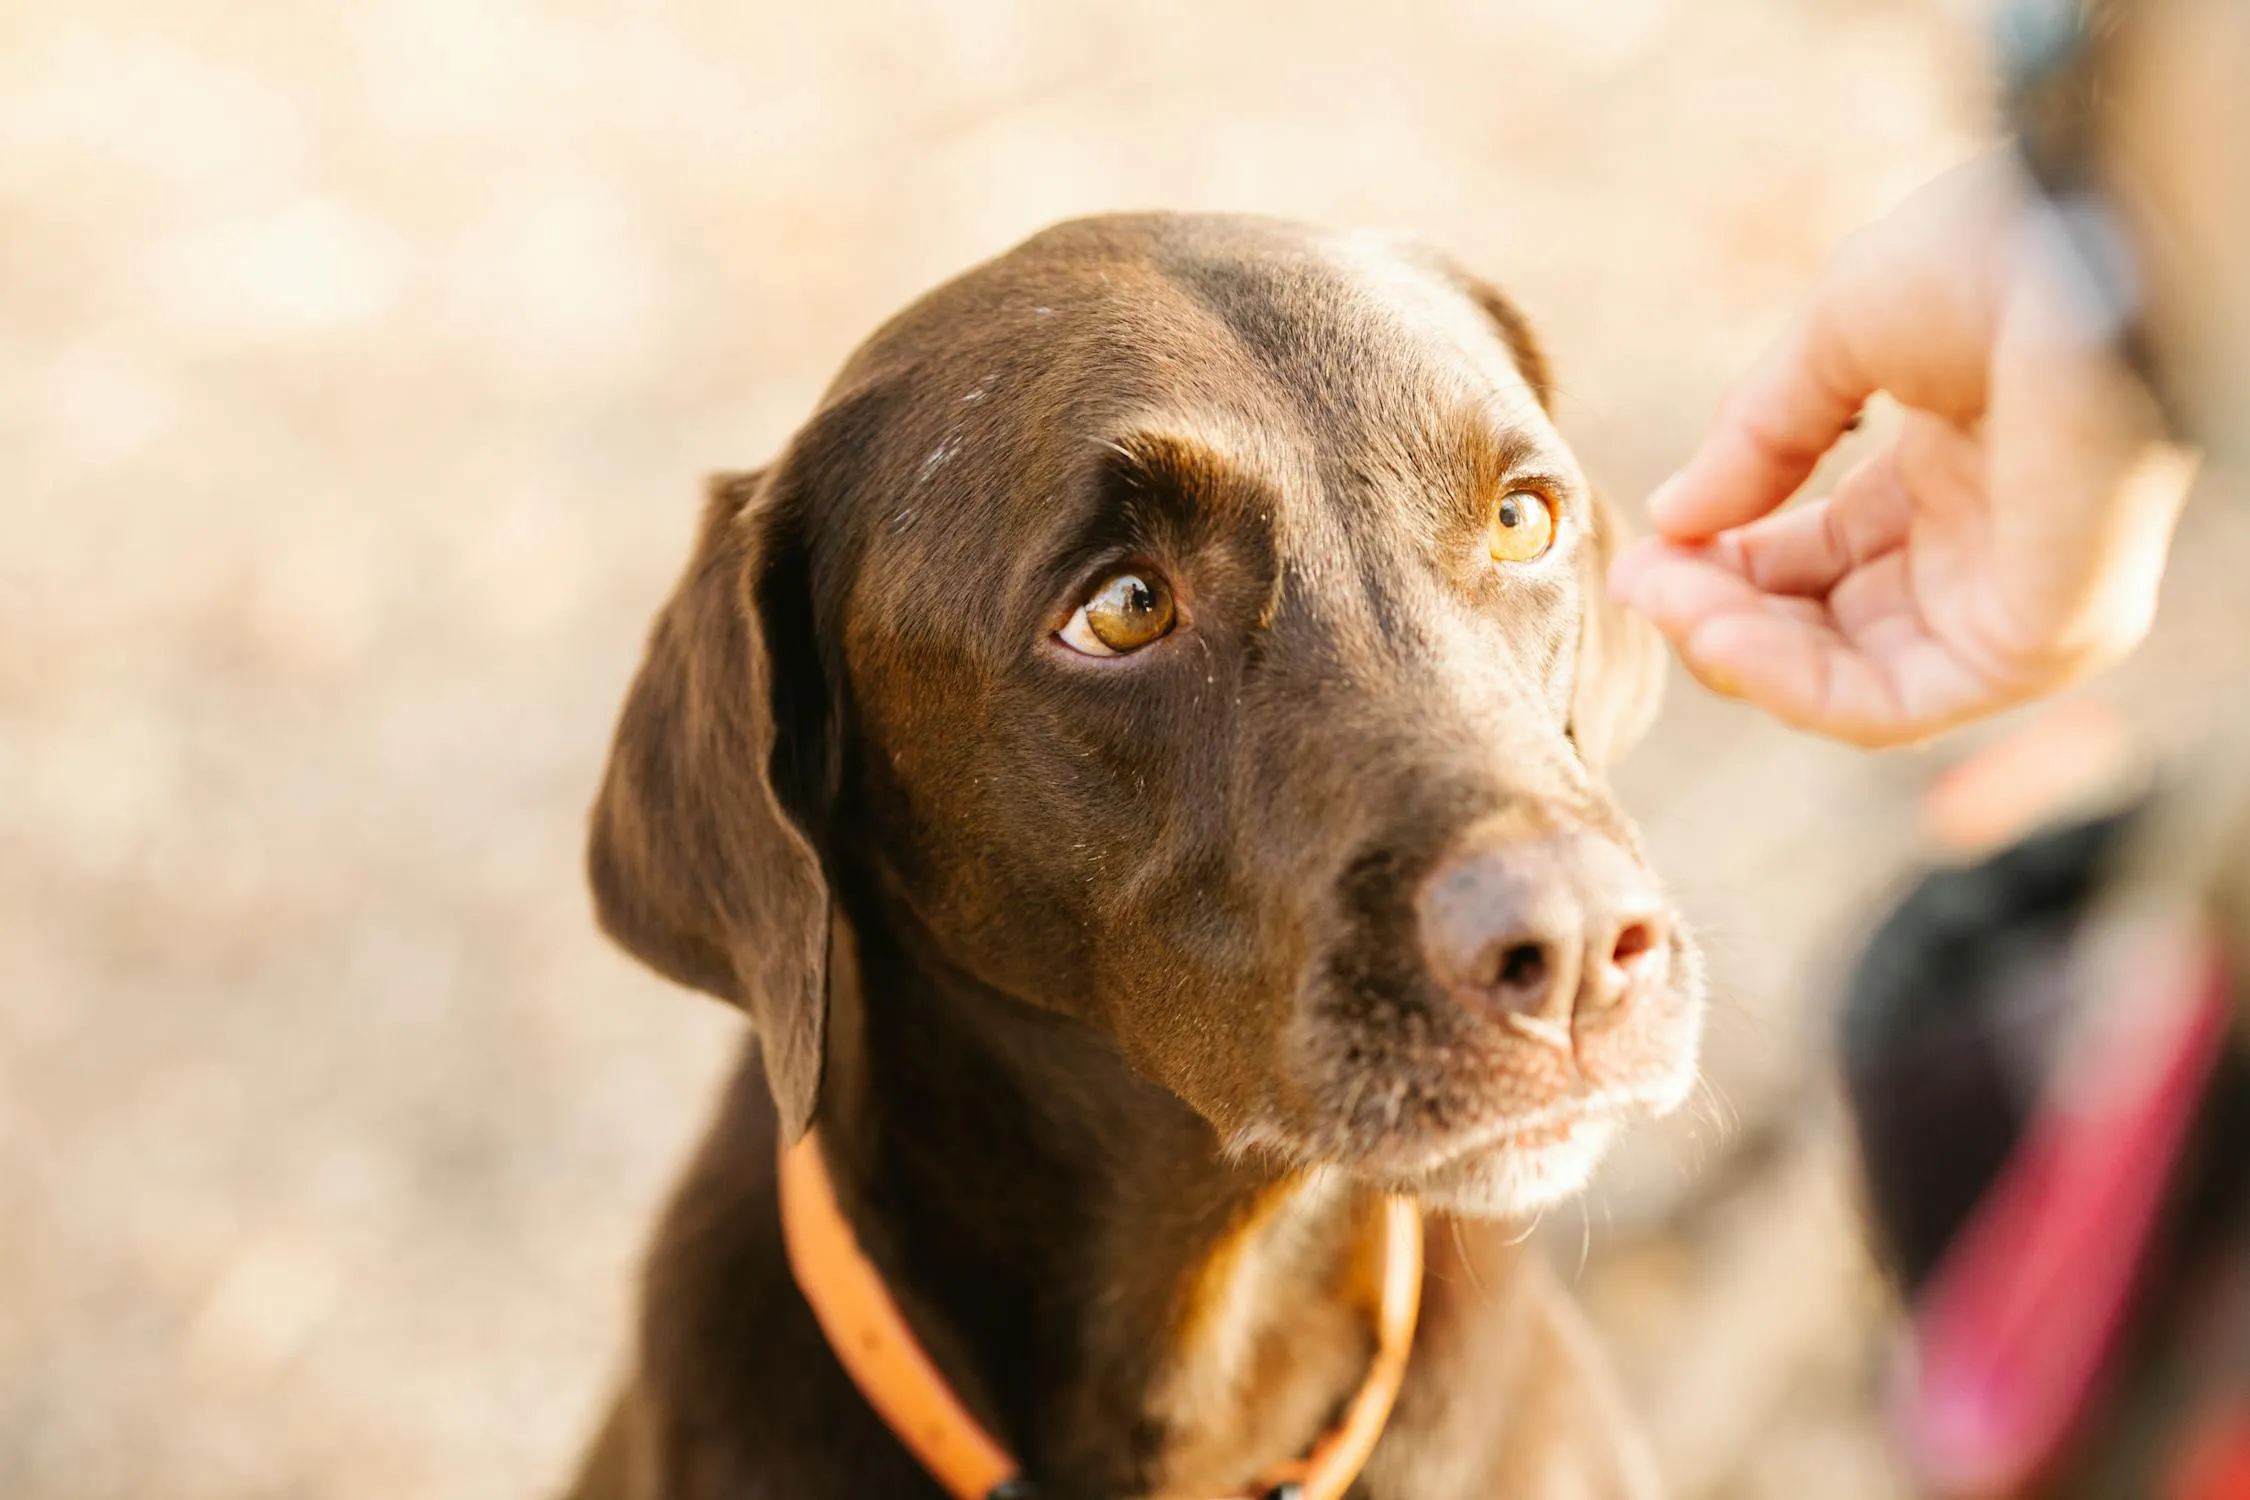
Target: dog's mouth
[1411,1091]
[1521,1163]
[1560,1125]
[1506,1165]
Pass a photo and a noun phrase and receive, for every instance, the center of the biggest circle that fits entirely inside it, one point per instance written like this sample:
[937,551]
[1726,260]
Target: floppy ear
[1618,682]
[700,855]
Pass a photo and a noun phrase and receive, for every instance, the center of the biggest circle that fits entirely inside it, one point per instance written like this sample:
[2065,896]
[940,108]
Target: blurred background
[358,366]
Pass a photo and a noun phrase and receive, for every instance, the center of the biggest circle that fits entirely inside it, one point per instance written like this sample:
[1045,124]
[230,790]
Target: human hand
[2010,541]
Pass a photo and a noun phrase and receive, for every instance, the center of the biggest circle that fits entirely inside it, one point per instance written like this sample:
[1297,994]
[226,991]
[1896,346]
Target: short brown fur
[1100,976]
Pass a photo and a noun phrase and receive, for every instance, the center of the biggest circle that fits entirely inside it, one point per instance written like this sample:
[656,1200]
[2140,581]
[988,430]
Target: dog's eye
[1125,612]
[1523,527]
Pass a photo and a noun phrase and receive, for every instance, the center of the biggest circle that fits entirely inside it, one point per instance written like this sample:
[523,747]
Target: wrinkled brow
[1169,484]
[1450,460]
[1489,456]
[1497,425]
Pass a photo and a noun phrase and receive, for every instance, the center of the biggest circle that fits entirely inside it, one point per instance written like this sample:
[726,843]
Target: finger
[1908,307]
[1771,430]
[1786,655]
[1811,548]
[1795,551]
[1803,674]
[1643,557]
[1632,562]
[1892,684]
[1677,588]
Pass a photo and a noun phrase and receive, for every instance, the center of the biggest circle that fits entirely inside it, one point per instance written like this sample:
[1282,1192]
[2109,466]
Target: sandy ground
[358,363]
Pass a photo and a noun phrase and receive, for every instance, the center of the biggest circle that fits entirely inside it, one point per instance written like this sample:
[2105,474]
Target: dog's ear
[1515,331]
[702,855]
[1617,684]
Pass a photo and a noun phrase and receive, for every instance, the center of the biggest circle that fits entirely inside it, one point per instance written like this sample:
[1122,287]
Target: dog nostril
[1629,952]
[1637,939]
[1523,967]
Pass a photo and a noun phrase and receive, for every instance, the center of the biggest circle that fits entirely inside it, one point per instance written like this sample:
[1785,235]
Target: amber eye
[1523,526]
[1125,612]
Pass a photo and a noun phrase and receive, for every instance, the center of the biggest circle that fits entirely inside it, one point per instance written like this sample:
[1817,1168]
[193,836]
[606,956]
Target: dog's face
[1192,626]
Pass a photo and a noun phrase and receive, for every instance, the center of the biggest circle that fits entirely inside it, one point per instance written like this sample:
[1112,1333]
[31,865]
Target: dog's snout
[1546,930]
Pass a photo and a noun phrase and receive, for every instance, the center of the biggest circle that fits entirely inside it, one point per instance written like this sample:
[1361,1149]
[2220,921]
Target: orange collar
[872,1341]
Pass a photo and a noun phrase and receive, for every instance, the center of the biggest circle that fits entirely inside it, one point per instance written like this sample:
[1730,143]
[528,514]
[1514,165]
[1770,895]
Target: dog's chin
[1516,1176]
[1500,1172]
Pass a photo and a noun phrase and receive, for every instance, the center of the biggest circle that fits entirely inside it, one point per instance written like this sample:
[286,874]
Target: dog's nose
[1545,930]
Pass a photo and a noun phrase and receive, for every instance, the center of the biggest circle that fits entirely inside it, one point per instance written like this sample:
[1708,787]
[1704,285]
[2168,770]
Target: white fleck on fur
[938,458]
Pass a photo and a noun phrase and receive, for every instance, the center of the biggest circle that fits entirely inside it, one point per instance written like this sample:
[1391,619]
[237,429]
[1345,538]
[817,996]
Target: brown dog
[1135,758]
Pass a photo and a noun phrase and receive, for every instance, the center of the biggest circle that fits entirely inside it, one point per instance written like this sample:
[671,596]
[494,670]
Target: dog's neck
[1124,1306]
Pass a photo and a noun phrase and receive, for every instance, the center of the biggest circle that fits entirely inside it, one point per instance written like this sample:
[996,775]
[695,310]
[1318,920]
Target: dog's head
[1193,626]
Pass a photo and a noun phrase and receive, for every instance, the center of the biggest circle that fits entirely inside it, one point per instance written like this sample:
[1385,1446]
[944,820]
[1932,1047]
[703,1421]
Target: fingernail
[1708,672]
[1716,678]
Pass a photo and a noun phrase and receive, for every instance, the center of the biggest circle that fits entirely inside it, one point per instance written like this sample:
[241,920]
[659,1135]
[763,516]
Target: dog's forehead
[1354,327]
[1289,353]
[1354,350]
[1342,339]
[1229,308]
